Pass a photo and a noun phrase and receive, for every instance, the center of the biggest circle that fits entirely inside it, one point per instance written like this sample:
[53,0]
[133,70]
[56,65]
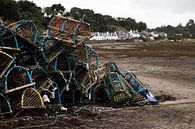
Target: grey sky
[153,12]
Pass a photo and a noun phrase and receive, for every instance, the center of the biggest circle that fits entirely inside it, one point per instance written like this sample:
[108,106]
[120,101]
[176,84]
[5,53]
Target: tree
[100,23]
[190,23]
[29,10]
[9,10]
[55,9]
[141,26]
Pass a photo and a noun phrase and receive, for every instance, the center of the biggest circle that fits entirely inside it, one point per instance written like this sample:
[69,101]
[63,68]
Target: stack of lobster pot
[17,53]
[58,68]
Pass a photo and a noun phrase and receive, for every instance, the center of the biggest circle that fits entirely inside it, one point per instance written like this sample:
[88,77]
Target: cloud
[172,6]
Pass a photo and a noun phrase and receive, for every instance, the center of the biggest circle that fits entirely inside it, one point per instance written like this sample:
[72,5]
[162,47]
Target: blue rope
[50,22]
[74,33]
[63,26]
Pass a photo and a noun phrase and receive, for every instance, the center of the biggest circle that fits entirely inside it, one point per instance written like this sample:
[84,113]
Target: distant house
[113,36]
[122,35]
[157,35]
[145,34]
[104,36]
[133,34]
[154,34]
[163,35]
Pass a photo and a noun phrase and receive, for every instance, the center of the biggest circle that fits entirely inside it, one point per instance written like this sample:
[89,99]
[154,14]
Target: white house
[154,34]
[134,34]
[113,36]
[104,36]
[122,35]
[127,35]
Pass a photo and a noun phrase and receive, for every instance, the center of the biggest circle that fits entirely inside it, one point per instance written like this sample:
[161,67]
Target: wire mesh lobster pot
[70,31]
[5,106]
[8,40]
[5,62]
[117,88]
[50,49]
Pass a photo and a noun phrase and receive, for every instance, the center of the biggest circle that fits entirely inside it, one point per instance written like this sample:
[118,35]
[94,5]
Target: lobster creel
[26,32]
[70,31]
[117,89]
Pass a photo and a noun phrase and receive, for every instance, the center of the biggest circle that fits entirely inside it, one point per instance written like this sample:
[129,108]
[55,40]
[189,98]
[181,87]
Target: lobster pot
[117,89]
[136,85]
[80,54]
[65,62]
[16,80]
[5,62]
[39,76]
[72,57]
[46,87]
[79,75]
[98,92]
[95,75]
[70,31]
[31,99]
[50,50]
[27,36]
[17,77]
[5,106]
[8,39]
[26,32]
[60,79]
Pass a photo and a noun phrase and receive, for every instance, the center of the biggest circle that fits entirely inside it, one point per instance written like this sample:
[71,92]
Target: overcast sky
[153,12]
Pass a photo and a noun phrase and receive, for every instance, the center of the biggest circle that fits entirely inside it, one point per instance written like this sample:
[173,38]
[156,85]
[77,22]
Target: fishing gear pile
[59,68]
